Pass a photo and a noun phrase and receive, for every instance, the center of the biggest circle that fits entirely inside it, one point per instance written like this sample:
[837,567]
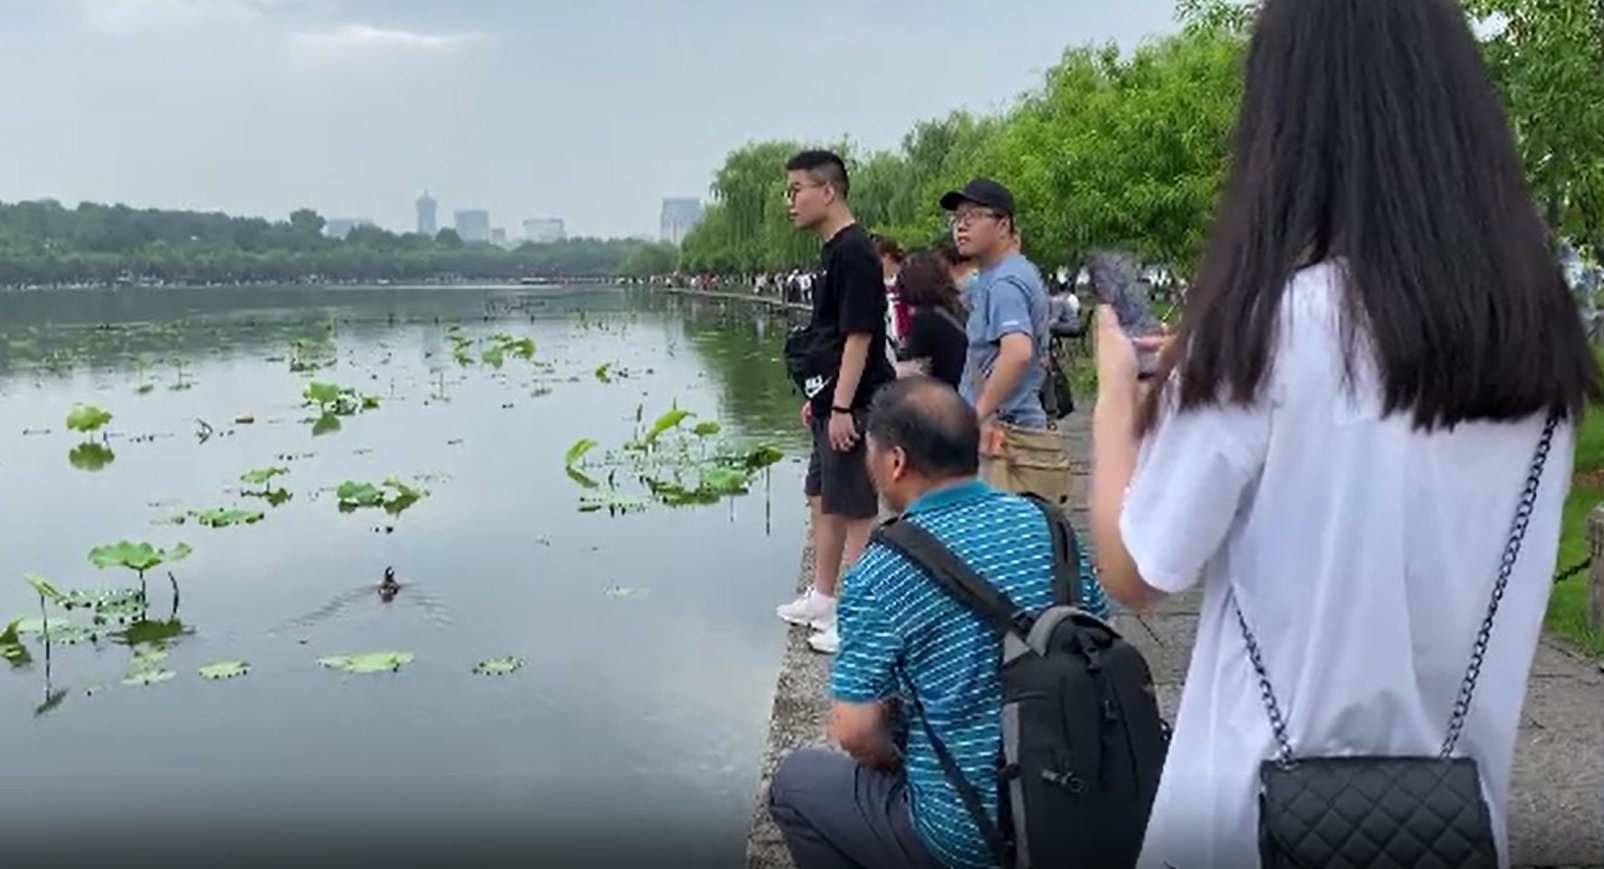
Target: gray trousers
[838,814]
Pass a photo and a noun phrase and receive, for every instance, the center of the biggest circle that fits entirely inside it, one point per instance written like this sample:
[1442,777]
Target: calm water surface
[649,641]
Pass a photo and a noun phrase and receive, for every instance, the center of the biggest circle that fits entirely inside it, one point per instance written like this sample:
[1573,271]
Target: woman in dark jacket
[935,342]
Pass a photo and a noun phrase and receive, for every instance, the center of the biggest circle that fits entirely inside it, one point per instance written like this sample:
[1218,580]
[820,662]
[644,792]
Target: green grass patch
[1567,608]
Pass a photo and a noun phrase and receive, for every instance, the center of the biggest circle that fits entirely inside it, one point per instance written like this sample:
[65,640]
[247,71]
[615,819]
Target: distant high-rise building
[340,227]
[679,215]
[473,225]
[498,237]
[544,230]
[426,214]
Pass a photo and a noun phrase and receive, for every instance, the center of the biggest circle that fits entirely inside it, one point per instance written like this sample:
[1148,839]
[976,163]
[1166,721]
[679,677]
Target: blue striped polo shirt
[892,615]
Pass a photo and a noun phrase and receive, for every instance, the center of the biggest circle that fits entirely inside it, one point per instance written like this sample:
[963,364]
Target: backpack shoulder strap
[958,579]
[1066,552]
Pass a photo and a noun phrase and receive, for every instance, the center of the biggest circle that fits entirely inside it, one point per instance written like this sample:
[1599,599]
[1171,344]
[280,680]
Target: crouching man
[886,802]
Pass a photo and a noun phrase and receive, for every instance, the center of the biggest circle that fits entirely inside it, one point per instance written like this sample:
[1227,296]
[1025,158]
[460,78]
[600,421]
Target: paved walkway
[1557,816]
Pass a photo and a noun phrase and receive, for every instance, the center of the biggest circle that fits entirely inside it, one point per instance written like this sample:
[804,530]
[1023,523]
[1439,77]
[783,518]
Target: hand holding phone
[1118,283]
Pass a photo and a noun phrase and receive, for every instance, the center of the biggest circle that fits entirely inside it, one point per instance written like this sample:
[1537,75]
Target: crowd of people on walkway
[1376,313]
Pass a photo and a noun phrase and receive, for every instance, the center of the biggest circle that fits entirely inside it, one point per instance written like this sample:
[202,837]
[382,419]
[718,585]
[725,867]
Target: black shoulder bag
[1376,810]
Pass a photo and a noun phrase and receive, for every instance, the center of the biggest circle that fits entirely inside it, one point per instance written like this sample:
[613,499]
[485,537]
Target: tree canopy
[45,243]
[1130,148]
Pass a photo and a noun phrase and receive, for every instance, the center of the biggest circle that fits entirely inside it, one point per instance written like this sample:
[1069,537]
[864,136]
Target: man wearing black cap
[1009,339]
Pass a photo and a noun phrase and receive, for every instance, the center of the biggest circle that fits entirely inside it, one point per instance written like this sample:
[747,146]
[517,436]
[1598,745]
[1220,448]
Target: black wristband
[835,409]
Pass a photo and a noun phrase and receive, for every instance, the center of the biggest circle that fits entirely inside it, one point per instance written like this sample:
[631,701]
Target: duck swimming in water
[388,587]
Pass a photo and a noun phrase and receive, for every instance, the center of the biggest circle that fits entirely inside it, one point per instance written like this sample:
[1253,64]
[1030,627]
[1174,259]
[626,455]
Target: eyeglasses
[969,215]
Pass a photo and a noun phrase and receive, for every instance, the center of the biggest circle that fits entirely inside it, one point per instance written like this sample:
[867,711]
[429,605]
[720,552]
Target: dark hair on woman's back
[1370,135]
[923,282]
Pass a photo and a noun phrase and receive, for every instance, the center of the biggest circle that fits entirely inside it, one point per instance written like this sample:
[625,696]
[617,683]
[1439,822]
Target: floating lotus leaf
[90,456]
[498,666]
[143,631]
[38,625]
[147,659]
[87,417]
[261,476]
[723,481]
[104,600]
[370,402]
[706,428]
[603,372]
[493,356]
[225,669]
[224,517]
[147,677]
[367,662]
[136,556]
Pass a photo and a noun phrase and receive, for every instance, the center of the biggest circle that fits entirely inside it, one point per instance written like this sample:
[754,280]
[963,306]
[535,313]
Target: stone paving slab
[1557,806]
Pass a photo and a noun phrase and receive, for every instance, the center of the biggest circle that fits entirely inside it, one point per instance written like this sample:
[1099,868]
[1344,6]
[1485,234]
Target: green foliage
[648,260]
[45,243]
[368,662]
[224,517]
[1547,58]
[262,476]
[138,557]
[11,647]
[87,417]
[392,495]
[225,670]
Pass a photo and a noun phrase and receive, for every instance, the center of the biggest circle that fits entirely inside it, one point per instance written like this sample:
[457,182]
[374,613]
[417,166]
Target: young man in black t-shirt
[849,307]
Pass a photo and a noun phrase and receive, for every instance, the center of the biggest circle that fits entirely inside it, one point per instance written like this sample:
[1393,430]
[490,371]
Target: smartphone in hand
[1118,282]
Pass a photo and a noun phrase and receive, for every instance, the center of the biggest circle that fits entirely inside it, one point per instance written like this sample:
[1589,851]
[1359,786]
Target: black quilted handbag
[1378,811]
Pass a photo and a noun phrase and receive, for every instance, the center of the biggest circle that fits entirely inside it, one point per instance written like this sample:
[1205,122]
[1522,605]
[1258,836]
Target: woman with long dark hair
[935,343]
[1360,438]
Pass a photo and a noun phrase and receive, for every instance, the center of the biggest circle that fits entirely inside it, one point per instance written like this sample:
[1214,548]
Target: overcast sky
[589,110]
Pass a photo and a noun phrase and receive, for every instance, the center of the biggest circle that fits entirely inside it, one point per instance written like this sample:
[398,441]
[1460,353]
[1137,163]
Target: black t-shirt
[850,297]
[935,335]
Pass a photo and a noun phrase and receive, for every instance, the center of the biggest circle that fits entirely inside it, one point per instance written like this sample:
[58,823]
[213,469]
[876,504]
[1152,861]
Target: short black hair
[825,167]
[936,429]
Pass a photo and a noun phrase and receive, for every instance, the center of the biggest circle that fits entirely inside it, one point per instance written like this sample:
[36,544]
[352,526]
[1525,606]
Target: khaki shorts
[1032,460]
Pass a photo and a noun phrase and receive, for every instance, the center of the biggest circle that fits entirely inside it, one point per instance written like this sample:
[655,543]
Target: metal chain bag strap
[1380,811]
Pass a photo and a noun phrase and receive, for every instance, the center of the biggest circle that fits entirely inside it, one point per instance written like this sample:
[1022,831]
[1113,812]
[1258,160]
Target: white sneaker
[811,609]
[826,641]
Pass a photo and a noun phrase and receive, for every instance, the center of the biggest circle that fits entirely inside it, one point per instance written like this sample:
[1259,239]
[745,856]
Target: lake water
[649,647]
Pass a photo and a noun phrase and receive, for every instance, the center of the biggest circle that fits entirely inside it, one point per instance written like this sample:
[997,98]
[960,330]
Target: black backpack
[1083,741]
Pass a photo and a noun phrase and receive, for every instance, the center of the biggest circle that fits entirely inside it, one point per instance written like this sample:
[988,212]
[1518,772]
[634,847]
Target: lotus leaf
[11,647]
[147,677]
[762,457]
[707,428]
[668,420]
[44,588]
[136,556]
[368,662]
[357,494]
[149,631]
[579,477]
[225,669]
[723,481]
[602,372]
[87,417]
[370,402]
[224,517]
[90,456]
[103,600]
[261,476]
[322,393]
[578,451]
[493,356]
[498,666]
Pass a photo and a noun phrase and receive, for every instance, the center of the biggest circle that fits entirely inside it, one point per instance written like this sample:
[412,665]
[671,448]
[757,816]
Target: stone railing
[1595,571]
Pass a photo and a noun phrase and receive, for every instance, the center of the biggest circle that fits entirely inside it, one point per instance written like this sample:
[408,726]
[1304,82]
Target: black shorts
[841,480]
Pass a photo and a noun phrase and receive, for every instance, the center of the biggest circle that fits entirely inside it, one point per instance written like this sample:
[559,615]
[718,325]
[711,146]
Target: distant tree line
[44,243]
[1130,149]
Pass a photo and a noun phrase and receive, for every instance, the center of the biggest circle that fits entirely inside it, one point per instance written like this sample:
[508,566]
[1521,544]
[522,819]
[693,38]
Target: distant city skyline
[423,93]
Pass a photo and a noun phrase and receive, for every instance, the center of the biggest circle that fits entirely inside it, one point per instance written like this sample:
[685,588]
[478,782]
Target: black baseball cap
[981,191]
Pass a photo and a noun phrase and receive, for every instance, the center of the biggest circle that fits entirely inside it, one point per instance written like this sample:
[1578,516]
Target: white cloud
[351,41]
